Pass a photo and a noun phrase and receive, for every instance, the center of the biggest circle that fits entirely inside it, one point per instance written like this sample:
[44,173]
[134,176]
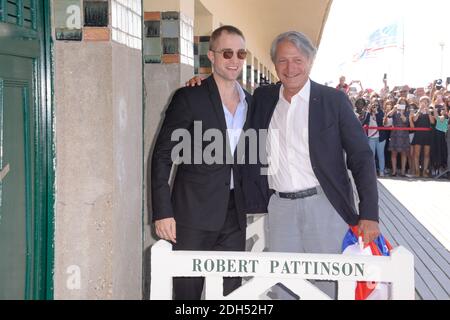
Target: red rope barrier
[396,129]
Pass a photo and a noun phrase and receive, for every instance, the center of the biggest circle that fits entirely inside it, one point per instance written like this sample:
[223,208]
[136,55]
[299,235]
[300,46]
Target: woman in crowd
[439,145]
[422,139]
[413,108]
[377,139]
[399,141]
[387,122]
[447,136]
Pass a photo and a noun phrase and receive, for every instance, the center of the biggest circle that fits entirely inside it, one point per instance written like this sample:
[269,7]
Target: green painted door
[23,178]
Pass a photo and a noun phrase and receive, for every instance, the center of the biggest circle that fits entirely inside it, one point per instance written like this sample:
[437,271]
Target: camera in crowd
[401,107]
[439,84]
[413,107]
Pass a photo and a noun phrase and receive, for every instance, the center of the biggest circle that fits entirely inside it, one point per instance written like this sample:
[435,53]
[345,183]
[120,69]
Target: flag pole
[403,50]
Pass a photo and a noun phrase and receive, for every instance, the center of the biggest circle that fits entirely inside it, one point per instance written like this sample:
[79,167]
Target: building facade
[83,86]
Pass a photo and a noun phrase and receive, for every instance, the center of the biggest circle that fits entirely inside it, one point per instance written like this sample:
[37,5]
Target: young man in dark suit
[204,210]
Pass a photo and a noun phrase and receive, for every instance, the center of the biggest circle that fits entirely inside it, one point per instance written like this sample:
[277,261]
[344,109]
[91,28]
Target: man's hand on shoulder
[370,230]
[195,81]
[166,229]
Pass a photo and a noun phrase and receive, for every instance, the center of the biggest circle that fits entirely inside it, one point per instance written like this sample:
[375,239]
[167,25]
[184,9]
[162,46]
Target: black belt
[297,195]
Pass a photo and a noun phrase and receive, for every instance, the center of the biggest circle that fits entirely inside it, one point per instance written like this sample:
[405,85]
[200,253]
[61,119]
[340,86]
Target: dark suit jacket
[333,129]
[200,194]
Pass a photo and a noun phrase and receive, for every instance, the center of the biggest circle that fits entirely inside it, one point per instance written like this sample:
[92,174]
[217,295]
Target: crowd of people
[406,124]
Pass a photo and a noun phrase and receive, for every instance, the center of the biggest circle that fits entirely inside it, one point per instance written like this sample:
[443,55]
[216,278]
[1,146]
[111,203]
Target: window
[126,22]
[19,12]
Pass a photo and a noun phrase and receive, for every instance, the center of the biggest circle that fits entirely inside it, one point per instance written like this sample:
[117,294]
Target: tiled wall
[168,38]
[202,65]
[67,20]
[88,20]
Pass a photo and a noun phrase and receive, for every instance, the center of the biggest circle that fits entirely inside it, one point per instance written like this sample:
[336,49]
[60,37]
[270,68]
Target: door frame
[47,156]
[39,282]
[50,153]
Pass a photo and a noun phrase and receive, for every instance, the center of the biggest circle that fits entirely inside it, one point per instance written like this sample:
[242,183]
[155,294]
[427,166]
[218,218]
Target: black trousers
[230,238]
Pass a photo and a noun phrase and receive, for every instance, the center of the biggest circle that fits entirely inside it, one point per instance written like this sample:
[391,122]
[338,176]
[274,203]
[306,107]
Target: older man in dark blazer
[314,137]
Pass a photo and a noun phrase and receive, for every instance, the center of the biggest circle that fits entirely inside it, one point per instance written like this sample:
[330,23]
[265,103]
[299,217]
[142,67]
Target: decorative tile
[170,29]
[170,15]
[196,63]
[205,70]
[170,45]
[204,62]
[152,59]
[203,48]
[152,46]
[67,14]
[195,49]
[68,34]
[95,13]
[96,34]
[152,16]
[152,29]
[171,58]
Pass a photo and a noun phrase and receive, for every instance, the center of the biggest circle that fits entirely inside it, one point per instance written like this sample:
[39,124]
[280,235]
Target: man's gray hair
[300,40]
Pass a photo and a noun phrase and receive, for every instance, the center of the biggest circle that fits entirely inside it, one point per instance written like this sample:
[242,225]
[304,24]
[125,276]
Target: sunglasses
[228,53]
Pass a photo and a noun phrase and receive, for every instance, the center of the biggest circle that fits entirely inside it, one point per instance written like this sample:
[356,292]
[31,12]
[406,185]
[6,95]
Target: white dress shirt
[235,124]
[290,168]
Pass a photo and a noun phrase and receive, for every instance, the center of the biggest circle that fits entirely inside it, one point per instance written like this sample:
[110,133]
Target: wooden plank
[438,257]
[422,288]
[420,229]
[419,197]
[415,223]
[420,281]
[440,263]
[406,236]
[432,280]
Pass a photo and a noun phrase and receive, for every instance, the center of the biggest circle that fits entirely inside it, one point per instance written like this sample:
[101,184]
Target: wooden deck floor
[402,227]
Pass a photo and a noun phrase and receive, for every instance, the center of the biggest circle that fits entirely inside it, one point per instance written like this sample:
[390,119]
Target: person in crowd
[447,137]
[387,122]
[399,140]
[439,145]
[384,92]
[422,139]
[342,86]
[404,91]
[361,108]
[377,139]
[413,106]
